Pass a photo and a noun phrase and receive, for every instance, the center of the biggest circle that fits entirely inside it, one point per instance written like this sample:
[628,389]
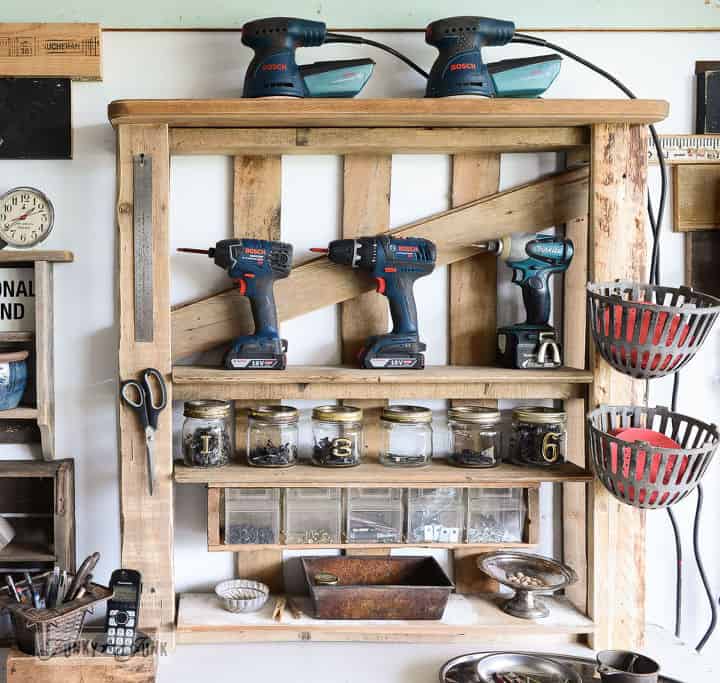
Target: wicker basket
[623,314]
[48,632]
[647,476]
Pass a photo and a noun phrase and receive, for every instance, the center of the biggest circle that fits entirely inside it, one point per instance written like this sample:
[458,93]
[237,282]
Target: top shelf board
[321,382]
[32,256]
[395,112]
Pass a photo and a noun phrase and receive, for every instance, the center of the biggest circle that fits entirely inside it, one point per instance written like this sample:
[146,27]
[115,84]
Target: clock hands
[24,216]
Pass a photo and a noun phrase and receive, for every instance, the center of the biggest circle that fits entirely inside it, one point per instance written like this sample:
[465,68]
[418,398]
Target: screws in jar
[337,452]
[271,455]
[207,447]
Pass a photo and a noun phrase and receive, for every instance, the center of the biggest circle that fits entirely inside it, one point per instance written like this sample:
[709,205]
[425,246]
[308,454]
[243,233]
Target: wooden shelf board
[17,336]
[372,473]
[201,619]
[33,255]
[19,413]
[19,552]
[480,547]
[440,381]
[394,112]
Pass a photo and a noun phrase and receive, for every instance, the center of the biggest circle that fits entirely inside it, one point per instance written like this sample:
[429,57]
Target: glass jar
[207,434]
[539,436]
[272,436]
[337,436]
[406,436]
[474,436]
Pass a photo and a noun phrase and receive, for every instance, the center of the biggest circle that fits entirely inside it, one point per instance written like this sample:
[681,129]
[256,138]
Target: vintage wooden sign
[17,300]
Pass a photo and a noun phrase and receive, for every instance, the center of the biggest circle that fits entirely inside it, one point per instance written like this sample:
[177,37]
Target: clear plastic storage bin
[312,516]
[252,516]
[435,515]
[374,516]
[496,516]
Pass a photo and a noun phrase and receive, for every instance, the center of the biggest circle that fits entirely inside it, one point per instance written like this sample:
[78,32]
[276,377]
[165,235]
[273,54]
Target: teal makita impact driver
[395,263]
[255,265]
[533,258]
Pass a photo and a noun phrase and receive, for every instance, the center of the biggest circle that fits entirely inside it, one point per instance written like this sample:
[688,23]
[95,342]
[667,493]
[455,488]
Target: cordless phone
[123,611]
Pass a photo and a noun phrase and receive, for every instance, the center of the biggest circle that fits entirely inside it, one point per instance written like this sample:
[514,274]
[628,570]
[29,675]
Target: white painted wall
[168,65]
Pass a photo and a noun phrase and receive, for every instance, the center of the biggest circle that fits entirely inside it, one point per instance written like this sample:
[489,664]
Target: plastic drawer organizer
[252,516]
[495,516]
[374,516]
[435,515]
[312,516]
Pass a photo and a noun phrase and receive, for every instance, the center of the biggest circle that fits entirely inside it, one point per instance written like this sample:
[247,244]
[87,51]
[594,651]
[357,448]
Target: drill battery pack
[385,352]
[253,356]
[528,347]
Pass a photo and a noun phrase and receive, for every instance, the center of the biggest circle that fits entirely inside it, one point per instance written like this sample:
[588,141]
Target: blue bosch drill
[395,263]
[273,71]
[533,258]
[255,265]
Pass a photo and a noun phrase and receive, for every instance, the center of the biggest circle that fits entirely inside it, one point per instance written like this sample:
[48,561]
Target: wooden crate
[602,540]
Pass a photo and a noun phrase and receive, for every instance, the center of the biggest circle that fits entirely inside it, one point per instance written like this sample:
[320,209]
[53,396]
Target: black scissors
[148,410]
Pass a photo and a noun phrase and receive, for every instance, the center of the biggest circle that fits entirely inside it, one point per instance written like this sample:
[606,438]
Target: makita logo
[259,252]
[274,67]
[463,66]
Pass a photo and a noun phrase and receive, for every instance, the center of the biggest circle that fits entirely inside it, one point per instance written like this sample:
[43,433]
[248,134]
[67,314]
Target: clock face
[26,217]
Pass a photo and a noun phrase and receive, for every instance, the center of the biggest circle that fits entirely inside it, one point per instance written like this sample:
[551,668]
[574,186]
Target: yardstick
[688,149]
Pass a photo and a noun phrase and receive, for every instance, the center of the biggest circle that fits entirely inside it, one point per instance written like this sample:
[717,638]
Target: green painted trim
[373,14]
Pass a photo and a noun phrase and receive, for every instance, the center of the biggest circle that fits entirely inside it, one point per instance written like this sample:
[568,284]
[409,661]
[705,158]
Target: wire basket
[48,632]
[643,475]
[649,331]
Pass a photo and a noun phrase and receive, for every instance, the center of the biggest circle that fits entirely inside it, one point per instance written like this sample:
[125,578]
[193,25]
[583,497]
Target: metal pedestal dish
[504,566]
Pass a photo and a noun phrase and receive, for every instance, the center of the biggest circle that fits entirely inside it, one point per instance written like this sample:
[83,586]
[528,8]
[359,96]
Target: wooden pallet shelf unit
[601,206]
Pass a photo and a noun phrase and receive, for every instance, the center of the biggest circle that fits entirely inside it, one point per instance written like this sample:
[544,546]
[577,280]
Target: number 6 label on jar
[551,446]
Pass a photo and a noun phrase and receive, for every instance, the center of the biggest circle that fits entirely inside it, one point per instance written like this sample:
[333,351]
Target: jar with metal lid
[208,433]
[337,436]
[474,436]
[406,436]
[272,436]
[539,436]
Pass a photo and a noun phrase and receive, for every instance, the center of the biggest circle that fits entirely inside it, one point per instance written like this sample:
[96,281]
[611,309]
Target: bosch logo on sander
[463,66]
[274,67]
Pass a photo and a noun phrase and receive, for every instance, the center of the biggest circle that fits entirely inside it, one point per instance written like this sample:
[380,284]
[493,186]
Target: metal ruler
[143,247]
[688,149]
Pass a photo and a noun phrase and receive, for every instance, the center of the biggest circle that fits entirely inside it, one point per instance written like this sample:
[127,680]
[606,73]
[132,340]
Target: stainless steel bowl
[241,595]
[503,565]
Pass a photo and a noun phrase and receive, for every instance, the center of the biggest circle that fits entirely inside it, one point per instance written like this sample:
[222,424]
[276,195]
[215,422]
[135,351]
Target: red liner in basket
[643,475]
[649,331]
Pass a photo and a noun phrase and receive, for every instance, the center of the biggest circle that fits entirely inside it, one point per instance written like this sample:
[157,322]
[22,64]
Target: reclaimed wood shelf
[19,413]
[259,547]
[17,336]
[441,382]
[372,473]
[25,552]
[385,113]
[33,256]
[201,619]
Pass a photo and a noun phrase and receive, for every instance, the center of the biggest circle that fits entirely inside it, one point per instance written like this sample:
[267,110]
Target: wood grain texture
[44,357]
[696,197]
[372,473]
[64,50]
[146,521]
[34,255]
[618,249]
[82,668]
[257,195]
[395,112]
[380,141]
[204,324]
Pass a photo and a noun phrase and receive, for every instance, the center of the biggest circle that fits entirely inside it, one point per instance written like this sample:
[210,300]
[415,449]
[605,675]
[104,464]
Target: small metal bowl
[241,595]
[504,564]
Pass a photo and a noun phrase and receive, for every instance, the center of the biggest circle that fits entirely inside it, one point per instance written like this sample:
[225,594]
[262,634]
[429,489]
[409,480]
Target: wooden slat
[696,197]
[257,195]
[64,515]
[366,548]
[557,199]
[202,619]
[395,112]
[617,250]
[45,372]
[63,50]
[146,521]
[213,517]
[383,141]
[372,473]
[23,413]
[17,336]
[34,255]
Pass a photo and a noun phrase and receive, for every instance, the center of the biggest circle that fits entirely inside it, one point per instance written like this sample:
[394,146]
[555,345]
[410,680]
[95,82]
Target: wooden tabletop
[331,113]
[32,255]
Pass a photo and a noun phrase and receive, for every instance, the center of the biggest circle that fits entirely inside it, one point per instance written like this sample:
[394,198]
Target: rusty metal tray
[378,587]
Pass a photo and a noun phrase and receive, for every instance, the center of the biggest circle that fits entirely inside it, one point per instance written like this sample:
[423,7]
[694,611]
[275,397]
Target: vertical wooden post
[618,195]
[473,306]
[257,196]
[147,521]
[44,354]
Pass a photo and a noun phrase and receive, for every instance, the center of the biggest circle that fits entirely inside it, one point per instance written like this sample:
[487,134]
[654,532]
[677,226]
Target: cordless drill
[255,265]
[395,263]
[459,69]
[533,258]
[273,71]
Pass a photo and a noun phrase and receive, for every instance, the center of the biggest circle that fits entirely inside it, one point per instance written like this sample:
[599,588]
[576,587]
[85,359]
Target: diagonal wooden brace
[553,200]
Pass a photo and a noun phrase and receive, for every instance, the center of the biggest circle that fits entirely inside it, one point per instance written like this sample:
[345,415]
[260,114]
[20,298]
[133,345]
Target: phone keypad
[120,632]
